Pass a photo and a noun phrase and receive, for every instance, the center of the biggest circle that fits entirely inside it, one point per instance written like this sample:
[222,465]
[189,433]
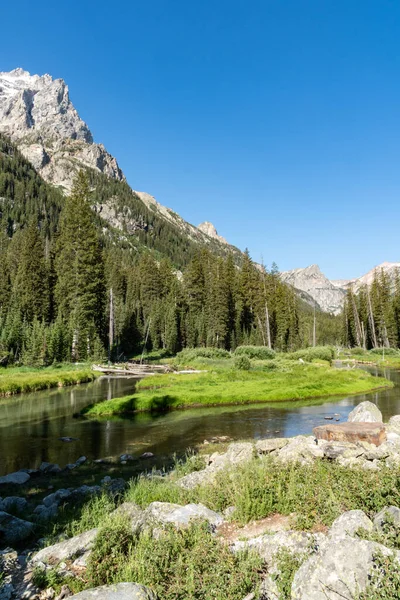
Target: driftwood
[135,370]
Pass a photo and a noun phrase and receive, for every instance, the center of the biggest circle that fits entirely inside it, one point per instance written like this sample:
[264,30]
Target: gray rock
[365,412]
[18,478]
[387,514]
[270,445]
[337,572]
[119,591]
[268,546]
[50,468]
[13,529]
[45,513]
[394,423]
[67,549]
[80,461]
[180,516]
[13,503]
[133,512]
[348,524]
[56,497]
[302,449]
[269,590]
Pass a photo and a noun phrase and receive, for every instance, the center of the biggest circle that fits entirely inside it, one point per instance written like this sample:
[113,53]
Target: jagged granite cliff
[313,282]
[37,113]
[314,286]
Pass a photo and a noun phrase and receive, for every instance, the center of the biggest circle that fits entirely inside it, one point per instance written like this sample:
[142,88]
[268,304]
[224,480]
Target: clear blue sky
[279,121]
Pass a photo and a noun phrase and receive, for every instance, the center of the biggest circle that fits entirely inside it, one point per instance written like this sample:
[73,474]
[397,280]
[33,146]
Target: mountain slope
[37,114]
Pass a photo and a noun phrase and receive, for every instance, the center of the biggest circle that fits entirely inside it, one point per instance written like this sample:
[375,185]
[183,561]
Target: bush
[309,354]
[189,564]
[242,363]
[190,354]
[257,352]
[387,351]
[357,350]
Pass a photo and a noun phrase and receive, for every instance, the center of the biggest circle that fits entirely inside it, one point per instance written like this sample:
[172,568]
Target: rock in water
[120,591]
[373,433]
[365,412]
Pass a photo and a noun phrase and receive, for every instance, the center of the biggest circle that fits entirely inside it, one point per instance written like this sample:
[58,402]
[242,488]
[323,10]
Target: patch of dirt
[232,532]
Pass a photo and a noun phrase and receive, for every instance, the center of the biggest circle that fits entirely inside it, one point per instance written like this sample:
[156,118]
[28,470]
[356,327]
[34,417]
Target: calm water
[31,424]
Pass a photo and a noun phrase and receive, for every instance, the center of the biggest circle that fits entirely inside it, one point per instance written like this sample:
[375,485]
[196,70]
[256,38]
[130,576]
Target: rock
[13,503]
[146,455]
[65,592]
[268,546]
[126,458]
[180,516]
[339,571]
[365,412]
[373,433]
[80,461]
[49,468]
[387,514]
[133,512]
[394,423]
[13,529]
[18,478]
[349,523]
[119,591]
[45,513]
[302,449]
[269,590]
[56,497]
[68,439]
[270,445]
[115,486]
[67,549]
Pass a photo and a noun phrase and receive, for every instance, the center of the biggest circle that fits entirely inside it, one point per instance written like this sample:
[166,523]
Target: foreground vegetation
[226,383]
[192,564]
[381,357]
[26,379]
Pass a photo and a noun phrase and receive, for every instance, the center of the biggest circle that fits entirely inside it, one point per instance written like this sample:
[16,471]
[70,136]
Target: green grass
[389,358]
[15,380]
[223,386]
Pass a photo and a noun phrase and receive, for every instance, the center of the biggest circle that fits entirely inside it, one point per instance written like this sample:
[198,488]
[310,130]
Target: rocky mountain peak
[36,112]
[313,282]
[209,229]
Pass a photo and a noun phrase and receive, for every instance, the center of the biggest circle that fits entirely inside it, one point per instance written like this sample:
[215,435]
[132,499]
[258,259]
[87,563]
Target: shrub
[257,352]
[387,351]
[308,354]
[242,363]
[189,564]
[190,354]
[357,350]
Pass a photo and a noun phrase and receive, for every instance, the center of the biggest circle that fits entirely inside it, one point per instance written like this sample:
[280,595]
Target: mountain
[313,286]
[36,113]
[313,282]
[209,229]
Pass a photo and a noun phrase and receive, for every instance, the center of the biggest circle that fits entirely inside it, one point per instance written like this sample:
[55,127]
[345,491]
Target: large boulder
[301,449]
[14,530]
[372,433]
[365,412]
[340,570]
[13,503]
[349,523]
[119,591]
[75,546]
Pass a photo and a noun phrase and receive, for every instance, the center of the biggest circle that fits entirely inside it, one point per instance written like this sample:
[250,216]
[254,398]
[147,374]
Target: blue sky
[279,121]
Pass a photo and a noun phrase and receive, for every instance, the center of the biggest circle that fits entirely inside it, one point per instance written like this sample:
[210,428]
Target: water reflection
[30,425]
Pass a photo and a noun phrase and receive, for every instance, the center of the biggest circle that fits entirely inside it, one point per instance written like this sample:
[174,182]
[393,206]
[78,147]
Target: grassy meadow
[14,380]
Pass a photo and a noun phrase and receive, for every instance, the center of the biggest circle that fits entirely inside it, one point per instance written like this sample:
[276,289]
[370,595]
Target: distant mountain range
[314,287]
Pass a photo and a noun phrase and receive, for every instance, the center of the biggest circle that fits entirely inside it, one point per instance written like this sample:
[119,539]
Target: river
[31,424]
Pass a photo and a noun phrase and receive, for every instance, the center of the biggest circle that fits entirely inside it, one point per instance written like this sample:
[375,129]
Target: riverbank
[388,357]
[314,514]
[15,380]
[222,386]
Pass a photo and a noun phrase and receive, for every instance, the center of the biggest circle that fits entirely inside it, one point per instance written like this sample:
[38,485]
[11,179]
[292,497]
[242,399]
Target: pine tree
[80,287]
